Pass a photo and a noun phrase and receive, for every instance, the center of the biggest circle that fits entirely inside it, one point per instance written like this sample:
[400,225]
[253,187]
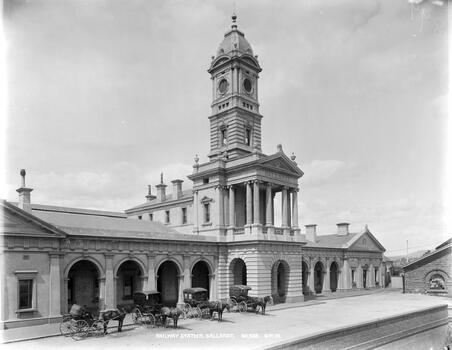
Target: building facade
[221,232]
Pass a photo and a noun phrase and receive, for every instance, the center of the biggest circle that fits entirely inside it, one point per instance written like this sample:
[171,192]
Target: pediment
[16,221]
[366,242]
[280,161]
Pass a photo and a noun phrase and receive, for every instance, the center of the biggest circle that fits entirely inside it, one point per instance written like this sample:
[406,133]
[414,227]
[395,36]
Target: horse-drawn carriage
[196,302]
[147,309]
[80,323]
[241,302]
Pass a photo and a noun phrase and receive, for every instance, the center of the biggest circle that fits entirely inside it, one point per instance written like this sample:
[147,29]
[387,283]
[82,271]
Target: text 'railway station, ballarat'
[222,232]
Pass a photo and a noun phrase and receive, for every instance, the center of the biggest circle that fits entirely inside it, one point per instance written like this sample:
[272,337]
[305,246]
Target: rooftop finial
[22,174]
[161,178]
[234,19]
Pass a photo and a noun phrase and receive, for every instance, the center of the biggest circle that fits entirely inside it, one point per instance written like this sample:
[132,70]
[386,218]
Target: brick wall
[418,274]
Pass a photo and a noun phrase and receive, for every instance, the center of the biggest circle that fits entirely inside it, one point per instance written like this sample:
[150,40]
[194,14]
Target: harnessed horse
[112,315]
[174,313]
[262,302]
[218,307]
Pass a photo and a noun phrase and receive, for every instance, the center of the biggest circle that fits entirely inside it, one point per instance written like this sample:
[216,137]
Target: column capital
[195,191]
[268,184]
[285,188]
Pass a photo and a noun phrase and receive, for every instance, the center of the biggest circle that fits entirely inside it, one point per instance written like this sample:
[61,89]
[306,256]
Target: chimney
[177,188]
[24,194]
[342,228]
[150,197]
[311,233]
[161,189]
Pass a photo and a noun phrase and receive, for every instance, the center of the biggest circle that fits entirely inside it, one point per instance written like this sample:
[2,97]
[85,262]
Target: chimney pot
[342,228]
[177,188]
[311,232]
[24,193]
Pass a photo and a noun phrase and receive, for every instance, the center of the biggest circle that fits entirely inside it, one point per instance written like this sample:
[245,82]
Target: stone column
[284,210]
[101,293]
[295,209]
[256,203]
[226,206]
[180,300]
[289,219]
[359,277]
[326,280]
[372,276]
[249,204]
[195,212]
[55,286]
[212,289]
[231,211]
[187,272]
[219,198]
[347,275]
[109,282]
[311,286]
[152,281]
[269,208]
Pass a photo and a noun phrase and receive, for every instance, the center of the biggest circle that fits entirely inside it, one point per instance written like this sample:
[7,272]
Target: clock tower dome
[235,123]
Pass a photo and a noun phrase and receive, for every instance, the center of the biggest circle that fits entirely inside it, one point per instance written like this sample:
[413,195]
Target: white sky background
[104,95]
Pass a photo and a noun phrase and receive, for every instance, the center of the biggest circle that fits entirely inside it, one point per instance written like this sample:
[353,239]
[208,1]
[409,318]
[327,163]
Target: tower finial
[161,178]
[234,19]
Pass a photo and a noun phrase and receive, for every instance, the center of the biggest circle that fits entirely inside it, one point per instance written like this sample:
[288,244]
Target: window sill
[207,224]
[24,311]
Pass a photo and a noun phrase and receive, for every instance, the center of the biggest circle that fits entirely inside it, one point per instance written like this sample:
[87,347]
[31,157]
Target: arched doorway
[238,269]
[318,277]
[365,270]
[334,271]
[128,281]
[200,275]
[280,279]
[83,285]
[168,283]
[304,277]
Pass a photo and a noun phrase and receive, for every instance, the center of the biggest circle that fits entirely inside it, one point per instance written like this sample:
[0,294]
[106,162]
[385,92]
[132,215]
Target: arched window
[437,282]
[248,136]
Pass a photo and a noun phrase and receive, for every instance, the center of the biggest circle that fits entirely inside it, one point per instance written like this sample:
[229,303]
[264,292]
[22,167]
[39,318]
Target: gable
[16,221]
[366,242]
[279,161]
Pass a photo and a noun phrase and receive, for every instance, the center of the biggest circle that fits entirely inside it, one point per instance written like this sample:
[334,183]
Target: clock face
[248,86]
[223,86]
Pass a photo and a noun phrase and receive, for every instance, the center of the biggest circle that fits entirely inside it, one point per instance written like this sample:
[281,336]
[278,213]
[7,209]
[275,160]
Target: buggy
[238,295]
[196,302]
[147,309]
[80,323]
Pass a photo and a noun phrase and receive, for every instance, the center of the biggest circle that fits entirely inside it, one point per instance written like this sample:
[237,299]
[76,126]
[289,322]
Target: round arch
[140,264]
[83,284]
[175,261]
[200,274]
[280,274]
[304,276]
[205,260]
[168,273]
[100,268]
[334,276]
[129,278]
[238,271]
[318,276]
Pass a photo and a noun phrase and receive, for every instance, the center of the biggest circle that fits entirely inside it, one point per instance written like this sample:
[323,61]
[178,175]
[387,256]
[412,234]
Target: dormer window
[248,136]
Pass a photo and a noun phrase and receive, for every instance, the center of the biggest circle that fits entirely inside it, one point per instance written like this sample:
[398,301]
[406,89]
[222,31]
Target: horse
[262,302]
[174,313]
[218,307]
[112,315]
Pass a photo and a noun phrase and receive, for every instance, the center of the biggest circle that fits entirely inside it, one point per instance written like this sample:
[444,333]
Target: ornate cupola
[235,123]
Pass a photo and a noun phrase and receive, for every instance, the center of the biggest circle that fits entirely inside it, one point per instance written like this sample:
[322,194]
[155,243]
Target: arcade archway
[318,277]
[200,275]
[238,270]
[129,280]
[83,285]
[168,283]
[304,277]
[334,271]
[280,279]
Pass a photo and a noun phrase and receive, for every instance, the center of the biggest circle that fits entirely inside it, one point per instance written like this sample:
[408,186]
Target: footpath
[53,329]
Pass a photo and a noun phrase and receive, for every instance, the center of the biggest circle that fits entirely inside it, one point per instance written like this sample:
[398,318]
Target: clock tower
[235,123]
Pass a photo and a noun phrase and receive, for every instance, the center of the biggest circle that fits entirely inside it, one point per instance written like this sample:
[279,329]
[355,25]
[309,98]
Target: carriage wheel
[234,305]
[66,325]
[150,321]
[80,330]
[97,328]
[198,312]
[137,317]
[243,307]
[186,310]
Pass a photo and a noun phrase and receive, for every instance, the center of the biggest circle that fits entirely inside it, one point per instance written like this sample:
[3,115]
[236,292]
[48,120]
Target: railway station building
[223,231]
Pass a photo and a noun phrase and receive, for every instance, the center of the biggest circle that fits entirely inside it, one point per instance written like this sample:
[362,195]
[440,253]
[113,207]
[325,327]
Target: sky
[103,96]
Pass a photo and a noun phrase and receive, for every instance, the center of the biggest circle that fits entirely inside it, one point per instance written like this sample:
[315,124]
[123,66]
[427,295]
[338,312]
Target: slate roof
[332,241]
[85,222]
[186,194]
